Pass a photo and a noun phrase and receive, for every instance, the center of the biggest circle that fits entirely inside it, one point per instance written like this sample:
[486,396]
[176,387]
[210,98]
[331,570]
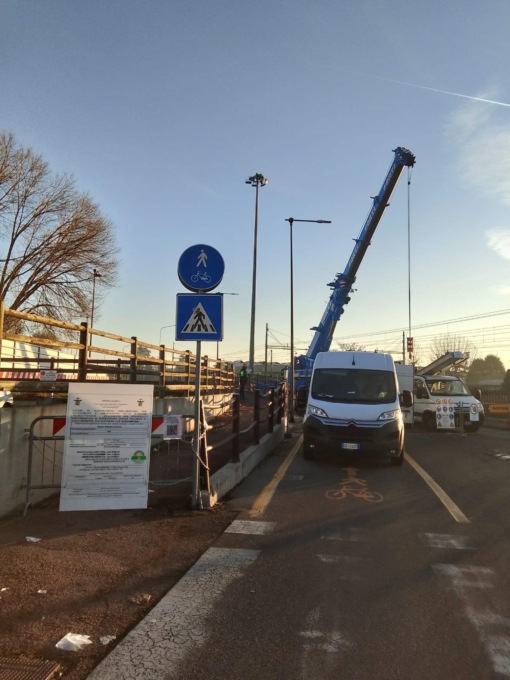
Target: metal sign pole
[195,491]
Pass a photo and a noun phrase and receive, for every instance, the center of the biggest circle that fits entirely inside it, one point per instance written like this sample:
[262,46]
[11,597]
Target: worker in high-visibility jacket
[243,378]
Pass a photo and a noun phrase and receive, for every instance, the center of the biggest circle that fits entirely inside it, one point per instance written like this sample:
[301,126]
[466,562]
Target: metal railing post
[236,426]
[256,417]
[271,410]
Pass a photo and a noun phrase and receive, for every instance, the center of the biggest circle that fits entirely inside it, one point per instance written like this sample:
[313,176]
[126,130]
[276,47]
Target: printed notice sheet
[107,447]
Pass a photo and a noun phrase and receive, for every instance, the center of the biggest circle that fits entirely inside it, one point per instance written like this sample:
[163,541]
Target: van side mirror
[478,394]
[406,399]
[421,393]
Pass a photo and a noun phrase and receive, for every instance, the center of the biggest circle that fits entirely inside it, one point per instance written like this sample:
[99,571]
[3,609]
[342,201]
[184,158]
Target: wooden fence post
[133,362]
[162,374]
[83,352]
[206,373]
[188,369]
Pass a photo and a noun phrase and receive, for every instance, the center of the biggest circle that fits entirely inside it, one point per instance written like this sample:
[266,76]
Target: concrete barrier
[232,474]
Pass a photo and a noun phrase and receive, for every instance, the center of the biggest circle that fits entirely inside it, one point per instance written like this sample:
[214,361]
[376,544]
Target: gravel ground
[92,573]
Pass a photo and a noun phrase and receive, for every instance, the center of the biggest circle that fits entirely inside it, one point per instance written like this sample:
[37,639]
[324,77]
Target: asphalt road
[353,569]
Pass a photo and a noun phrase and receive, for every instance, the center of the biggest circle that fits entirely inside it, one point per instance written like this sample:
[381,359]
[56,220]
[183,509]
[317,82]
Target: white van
[354,406]
[435,394]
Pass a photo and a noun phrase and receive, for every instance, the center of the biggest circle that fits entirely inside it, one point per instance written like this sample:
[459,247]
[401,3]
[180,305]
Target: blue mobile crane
[343,282]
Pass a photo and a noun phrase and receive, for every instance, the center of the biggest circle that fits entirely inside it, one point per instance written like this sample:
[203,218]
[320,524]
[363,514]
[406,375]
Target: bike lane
[351,570]
[347,583]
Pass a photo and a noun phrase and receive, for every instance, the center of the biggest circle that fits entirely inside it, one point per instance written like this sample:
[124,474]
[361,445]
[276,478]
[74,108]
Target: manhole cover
[28,669]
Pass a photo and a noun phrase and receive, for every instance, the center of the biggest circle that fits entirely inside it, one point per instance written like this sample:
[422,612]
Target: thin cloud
[483,152]
[499,241]
[483,147]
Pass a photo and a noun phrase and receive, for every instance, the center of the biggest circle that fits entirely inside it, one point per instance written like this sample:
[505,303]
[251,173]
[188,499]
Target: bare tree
[349,346]
[52,238]
[453,343]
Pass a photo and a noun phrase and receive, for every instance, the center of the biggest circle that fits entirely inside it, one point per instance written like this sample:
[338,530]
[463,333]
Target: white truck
[354,407]
[442,402]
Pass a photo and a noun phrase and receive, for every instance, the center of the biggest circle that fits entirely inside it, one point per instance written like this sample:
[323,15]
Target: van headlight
[390,415]
[316,411]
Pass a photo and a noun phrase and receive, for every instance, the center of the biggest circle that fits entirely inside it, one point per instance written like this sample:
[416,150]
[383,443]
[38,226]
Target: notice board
[107,447]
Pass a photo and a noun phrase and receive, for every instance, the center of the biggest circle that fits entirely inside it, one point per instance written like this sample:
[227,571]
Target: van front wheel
[429,421]
[399,459]
[308,453]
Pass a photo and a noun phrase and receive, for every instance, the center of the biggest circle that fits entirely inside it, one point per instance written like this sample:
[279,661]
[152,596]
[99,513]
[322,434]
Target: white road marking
[325,642]
[445,541]
[320,649]
[241,526]
[158,645]
[452,508]
[352,534]
[466,577]
[338,559]
[344,566]
[262,501]
[476,588]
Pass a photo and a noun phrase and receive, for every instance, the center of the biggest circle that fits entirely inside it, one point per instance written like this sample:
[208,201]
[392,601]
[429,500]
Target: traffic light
[410,345]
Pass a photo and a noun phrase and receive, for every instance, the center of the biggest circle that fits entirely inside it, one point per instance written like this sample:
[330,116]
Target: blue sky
[162,109]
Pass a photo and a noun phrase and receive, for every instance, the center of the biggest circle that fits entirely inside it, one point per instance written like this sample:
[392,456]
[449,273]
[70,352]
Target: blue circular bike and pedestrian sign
[200,268]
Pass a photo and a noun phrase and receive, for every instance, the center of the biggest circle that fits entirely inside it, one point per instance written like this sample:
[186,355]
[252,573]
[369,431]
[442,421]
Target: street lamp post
[95,275]
[172,326]
[256,181]
[291,221]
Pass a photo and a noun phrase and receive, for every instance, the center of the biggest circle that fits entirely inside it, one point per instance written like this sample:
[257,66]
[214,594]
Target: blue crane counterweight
[344,281]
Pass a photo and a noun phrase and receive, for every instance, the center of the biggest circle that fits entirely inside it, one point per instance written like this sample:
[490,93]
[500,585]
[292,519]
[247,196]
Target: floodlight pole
[292,383]
[255,181]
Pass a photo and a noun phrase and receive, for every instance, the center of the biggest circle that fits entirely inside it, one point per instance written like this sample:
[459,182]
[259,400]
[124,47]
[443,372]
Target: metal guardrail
[46,451]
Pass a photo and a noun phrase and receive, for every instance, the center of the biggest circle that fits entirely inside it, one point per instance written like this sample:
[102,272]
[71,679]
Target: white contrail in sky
[454,94]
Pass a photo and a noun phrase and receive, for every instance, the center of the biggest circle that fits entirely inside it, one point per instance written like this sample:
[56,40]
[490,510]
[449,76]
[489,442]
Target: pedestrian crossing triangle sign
[199,321]
[199,317]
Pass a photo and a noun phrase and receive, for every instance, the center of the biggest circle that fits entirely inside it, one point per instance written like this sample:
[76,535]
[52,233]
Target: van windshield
[447,388]
[356,385]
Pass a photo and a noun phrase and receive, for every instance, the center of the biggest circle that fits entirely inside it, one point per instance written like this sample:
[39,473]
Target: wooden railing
[94,355]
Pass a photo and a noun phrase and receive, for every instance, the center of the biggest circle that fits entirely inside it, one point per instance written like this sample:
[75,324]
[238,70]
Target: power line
[475,317]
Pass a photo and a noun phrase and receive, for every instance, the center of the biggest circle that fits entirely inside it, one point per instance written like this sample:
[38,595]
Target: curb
[232,474]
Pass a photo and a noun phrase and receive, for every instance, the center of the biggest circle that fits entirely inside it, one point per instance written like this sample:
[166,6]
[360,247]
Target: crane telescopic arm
[343,282]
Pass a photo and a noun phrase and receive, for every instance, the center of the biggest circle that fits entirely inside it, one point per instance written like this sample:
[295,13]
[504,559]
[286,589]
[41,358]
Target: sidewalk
[92,573]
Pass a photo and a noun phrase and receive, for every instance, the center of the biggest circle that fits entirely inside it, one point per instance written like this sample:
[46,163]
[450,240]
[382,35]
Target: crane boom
[343,282]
